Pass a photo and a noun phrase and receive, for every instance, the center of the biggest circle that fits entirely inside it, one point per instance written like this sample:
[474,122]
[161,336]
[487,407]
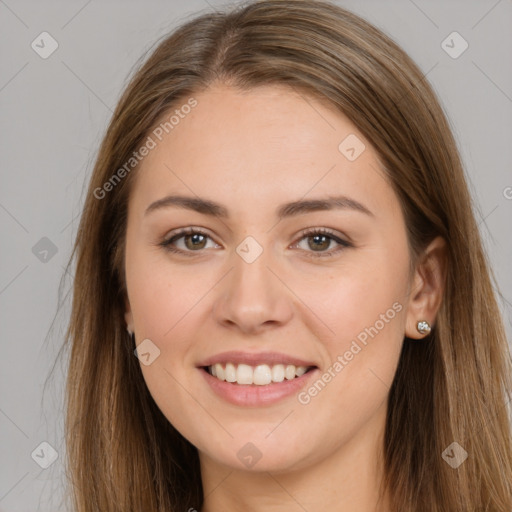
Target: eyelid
[180,233]
[342,240]
[335,234]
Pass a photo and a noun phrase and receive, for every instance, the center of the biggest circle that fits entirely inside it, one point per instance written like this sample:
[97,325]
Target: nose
[253,296]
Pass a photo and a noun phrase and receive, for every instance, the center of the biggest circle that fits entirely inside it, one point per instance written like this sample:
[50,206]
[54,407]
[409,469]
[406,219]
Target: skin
[252,151]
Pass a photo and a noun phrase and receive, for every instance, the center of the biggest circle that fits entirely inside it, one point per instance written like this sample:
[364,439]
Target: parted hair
[122,453]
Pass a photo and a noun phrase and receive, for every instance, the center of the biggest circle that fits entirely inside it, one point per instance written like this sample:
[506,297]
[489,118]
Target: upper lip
[254,359]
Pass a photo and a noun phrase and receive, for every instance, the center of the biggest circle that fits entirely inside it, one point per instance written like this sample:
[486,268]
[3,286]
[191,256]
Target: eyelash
[166,244]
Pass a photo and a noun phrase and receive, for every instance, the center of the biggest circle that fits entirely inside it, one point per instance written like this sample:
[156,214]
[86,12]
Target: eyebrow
[211,208]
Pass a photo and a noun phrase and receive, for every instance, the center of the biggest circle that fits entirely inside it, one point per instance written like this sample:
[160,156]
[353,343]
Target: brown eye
[319,240]
[193,241]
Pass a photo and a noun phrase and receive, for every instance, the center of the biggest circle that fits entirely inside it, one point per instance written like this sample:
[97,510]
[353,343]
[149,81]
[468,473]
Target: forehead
[258,147]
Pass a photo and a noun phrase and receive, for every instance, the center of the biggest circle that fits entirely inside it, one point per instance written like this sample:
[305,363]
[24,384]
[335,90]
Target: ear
[128,317]
[427,289]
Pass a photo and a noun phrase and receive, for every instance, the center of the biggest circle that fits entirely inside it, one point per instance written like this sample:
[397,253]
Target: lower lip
[253,395]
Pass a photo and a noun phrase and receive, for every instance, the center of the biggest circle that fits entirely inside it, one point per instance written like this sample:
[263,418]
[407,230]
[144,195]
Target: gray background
[55,112]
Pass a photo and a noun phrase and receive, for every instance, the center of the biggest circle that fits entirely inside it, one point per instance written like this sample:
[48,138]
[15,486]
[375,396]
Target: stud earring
[423,327]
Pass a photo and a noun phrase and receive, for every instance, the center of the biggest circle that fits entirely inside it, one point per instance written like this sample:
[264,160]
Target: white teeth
[219,372]
[300,370]
[244,374]
[289,372]
[230,373]
[278,373]
[260,375]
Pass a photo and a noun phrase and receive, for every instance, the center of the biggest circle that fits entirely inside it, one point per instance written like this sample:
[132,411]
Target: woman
[334,343]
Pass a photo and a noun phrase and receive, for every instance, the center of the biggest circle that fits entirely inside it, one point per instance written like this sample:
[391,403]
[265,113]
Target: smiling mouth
[260,375]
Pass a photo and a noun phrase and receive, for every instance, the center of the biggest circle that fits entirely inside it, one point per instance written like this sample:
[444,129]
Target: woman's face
[259,288]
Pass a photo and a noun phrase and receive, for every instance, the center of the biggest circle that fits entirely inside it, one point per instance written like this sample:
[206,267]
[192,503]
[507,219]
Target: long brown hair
[123,454]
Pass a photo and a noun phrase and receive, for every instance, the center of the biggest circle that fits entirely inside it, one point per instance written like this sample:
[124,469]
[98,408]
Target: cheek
[359,317]
[354,298]
[165,304]
[162,295]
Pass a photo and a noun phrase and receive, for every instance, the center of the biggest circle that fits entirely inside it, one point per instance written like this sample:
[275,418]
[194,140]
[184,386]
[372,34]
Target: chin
[261,456]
